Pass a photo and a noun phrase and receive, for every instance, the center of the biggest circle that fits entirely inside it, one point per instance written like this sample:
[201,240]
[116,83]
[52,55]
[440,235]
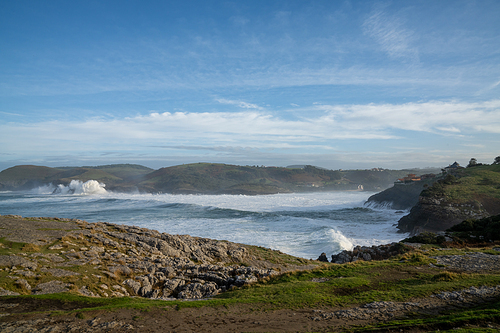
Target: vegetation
[400,279]
[466,185]
[426,238]
[486,229]
[203,178]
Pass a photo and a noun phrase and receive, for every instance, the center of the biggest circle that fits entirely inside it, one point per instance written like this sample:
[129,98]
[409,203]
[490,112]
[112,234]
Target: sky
[336,84]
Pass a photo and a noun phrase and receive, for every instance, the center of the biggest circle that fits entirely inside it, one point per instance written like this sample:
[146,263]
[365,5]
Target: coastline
[64,253]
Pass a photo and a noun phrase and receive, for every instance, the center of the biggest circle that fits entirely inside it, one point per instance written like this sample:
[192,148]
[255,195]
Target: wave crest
[83,188]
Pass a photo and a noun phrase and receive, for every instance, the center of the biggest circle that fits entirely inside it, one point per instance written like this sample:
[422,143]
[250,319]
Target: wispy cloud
[389,32]
[241,104]
[256,129]
[433,116]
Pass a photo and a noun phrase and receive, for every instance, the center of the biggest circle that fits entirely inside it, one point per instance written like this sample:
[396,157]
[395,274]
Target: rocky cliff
[470,193]
[398,196]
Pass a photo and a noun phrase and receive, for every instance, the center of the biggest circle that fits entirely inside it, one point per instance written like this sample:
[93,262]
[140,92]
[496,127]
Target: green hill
[210,178]
[24,177]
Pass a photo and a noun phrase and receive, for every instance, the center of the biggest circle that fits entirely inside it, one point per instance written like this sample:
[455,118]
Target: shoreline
[61,250]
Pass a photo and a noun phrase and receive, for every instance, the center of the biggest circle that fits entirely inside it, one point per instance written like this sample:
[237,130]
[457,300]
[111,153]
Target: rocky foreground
[49,255]
[110,260]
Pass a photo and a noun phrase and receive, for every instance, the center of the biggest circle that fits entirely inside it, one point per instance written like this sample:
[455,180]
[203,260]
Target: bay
[300,224]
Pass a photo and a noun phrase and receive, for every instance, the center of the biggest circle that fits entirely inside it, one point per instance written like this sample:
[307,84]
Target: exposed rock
[57,272]
[14,260]
[134,285]
[23,283]
[437,214]
[52,287]
[143,263]
[4,292]
[323,257]
[197,290]
[473,262]
[365,253]
[400,197]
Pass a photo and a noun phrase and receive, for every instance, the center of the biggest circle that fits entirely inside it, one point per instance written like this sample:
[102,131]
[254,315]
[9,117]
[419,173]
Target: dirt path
[34,315]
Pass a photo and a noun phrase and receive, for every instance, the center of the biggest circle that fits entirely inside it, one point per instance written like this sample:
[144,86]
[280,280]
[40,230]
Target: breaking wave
[75,187]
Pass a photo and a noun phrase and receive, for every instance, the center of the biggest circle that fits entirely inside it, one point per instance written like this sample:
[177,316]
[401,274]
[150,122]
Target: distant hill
[116,176]
[209,178]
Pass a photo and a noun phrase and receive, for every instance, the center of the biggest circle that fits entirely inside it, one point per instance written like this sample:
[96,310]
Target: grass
[344,285]
[450,322]
[277,257]
[476,181]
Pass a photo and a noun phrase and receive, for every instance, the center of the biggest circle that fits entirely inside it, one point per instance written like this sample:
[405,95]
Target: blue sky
[338,84]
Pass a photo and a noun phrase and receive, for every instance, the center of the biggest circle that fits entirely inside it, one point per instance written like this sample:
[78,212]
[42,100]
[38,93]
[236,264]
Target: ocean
[300,224]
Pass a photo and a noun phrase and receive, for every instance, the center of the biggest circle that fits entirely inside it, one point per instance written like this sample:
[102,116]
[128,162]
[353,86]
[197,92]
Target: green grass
[344,285]
[460,318]
[482,180]
[9,247]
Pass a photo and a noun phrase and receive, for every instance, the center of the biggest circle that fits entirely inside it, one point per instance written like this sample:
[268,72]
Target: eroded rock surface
[110,260]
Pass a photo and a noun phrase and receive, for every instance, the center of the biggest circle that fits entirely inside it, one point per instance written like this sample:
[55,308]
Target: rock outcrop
[439,214]
[110,260]
[399,197]
[366,253]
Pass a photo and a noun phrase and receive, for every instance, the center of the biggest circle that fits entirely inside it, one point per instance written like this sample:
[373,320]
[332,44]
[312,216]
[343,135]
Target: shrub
[487,228]
[426,238]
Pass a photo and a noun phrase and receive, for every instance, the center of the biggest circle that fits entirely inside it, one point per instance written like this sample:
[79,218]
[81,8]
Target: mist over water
[301,224]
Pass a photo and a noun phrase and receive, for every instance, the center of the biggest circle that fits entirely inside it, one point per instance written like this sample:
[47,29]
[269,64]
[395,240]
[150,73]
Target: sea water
[300,224]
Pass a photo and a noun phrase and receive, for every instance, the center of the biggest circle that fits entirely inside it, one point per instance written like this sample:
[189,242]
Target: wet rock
[323,257]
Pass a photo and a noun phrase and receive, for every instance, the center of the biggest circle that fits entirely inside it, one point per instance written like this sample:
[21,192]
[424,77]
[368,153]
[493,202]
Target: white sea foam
[44,189]
[81,188]
[340,241]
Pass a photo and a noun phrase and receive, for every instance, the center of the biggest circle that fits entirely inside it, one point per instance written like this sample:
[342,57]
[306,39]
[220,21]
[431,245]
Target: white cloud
[232,135]
[423,117]
[241,104]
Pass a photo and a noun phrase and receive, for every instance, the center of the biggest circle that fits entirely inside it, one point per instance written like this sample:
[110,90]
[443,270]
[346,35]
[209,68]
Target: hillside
[232,179]
[466,193]
[117,176]
[208,178]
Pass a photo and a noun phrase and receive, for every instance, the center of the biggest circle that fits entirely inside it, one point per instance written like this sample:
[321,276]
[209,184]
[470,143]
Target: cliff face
[471,193]
[438,214]
[398,196]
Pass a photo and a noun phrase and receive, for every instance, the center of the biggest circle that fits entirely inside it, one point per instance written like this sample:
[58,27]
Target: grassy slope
[477,184]
[29,175]
[223,178]
[210,177]
[24,172]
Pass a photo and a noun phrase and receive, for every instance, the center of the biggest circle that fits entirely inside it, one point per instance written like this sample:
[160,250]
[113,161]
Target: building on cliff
[453,167]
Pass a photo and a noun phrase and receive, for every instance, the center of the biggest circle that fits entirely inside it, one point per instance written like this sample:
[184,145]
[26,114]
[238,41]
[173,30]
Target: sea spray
[90,187]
